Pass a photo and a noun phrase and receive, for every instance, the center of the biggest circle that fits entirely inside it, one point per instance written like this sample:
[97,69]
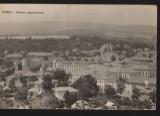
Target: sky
[107,14]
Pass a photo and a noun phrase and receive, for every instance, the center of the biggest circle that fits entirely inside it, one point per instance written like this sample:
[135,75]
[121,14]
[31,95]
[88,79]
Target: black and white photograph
[78,56]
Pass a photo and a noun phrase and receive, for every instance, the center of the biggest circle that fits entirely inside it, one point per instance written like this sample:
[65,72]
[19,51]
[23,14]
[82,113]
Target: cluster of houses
[139,70]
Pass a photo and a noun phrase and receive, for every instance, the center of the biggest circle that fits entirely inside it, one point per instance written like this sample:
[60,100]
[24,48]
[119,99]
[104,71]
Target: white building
[60,91]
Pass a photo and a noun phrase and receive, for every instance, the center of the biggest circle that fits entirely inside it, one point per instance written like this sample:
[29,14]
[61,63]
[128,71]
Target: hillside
[61,28]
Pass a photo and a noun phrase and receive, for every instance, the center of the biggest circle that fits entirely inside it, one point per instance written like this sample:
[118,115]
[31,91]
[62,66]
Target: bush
[126,101]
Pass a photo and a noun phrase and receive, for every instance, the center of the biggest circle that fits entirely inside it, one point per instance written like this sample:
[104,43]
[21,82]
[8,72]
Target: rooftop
[27,74]
[70,89]
[126,94]
[109,104]
[39,81]
[14,56]
[33,90]
[39,54]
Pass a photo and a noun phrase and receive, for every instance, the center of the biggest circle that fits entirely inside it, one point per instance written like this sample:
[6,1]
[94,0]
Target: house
[34,90]
[60,91]
[103,81]
[111,105]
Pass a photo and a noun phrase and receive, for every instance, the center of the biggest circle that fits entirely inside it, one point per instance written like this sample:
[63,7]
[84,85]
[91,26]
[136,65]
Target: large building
[146,71]
[71,66]
[141,83]
[39,55]
[104,79]
[145,57]
[15,58]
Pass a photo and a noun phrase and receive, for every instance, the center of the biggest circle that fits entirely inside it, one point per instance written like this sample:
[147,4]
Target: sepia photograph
[78,56]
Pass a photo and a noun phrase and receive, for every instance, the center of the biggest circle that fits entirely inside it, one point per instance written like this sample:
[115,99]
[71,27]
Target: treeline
[49,45]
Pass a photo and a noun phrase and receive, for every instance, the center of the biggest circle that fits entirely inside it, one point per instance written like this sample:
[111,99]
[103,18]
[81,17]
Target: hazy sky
[109,14]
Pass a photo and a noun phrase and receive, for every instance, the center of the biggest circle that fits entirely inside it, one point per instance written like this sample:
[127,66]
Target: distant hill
[61,28]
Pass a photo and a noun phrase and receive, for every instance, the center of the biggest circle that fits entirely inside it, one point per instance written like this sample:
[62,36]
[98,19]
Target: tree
[45,58]
[62,77]
[13,69]
[136,92]
[113,58]
[19,66]
[146,104]
[70,98]
[127,101]
[21,94]
[8,72]
[120,86]
[152,96]
[47,83]
[23,80]
[51,102]
[35,69]
[109,91]
[87,87]
[12,84]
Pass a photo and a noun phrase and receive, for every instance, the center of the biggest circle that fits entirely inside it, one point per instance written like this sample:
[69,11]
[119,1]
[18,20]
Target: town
[113,76]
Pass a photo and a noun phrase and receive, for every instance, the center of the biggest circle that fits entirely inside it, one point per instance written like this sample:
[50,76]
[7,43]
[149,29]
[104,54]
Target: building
[31,62]
[147,53]
[102,82]
[141,83]
[15,58]
[71,66]
[125,73]
[141,60]
[111,105]
[60,91]
[76,75]
[39,55]
[145,57]
[146,71]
